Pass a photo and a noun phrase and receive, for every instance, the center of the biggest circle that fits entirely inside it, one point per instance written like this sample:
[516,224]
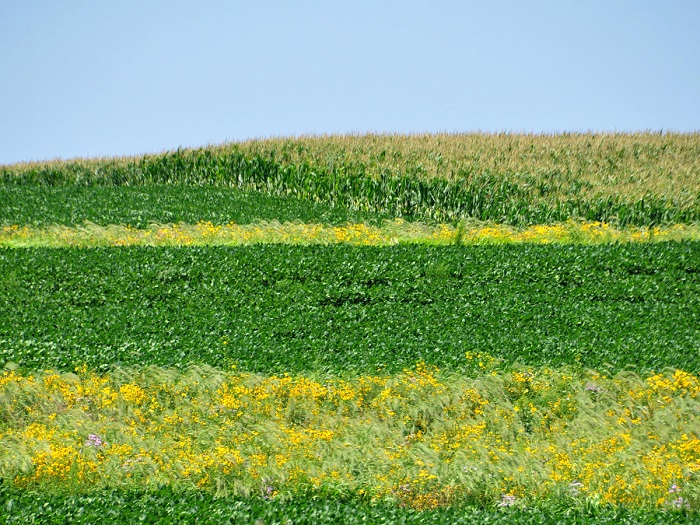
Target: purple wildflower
[93,440]
[268,490]
[680,503]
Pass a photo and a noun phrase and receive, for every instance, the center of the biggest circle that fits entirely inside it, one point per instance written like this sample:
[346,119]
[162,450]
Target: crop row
[578,163]
[139,206]
[165,506]
[276,308]
[665,189]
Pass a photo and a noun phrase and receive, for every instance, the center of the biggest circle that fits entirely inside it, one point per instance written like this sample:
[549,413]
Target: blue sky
[87,78]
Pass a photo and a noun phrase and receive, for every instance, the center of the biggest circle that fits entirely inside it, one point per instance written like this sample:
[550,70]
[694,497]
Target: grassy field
[508,436]
[389,233]
[383,328]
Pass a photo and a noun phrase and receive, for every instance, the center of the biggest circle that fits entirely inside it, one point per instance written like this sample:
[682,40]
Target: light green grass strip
[391,232]
[488,435]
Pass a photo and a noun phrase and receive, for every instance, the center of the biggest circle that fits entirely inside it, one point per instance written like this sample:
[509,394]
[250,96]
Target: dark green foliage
[484,196]
[294,308]
[168,506]
[138,206]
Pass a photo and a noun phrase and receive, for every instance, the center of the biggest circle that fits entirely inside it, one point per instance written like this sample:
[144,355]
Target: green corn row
[484,196]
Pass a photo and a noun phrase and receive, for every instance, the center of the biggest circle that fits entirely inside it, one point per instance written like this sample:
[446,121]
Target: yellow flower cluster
[391,232]
[422,437]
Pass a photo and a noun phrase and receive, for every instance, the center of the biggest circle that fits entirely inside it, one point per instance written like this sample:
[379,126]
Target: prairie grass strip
[390,233]
[423,438]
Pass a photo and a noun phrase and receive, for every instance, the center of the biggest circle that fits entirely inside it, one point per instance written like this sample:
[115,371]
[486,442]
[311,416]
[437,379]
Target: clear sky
[92,78]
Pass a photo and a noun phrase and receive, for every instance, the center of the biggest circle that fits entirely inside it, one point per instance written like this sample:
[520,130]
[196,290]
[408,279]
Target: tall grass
[494,437]
[206,233]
